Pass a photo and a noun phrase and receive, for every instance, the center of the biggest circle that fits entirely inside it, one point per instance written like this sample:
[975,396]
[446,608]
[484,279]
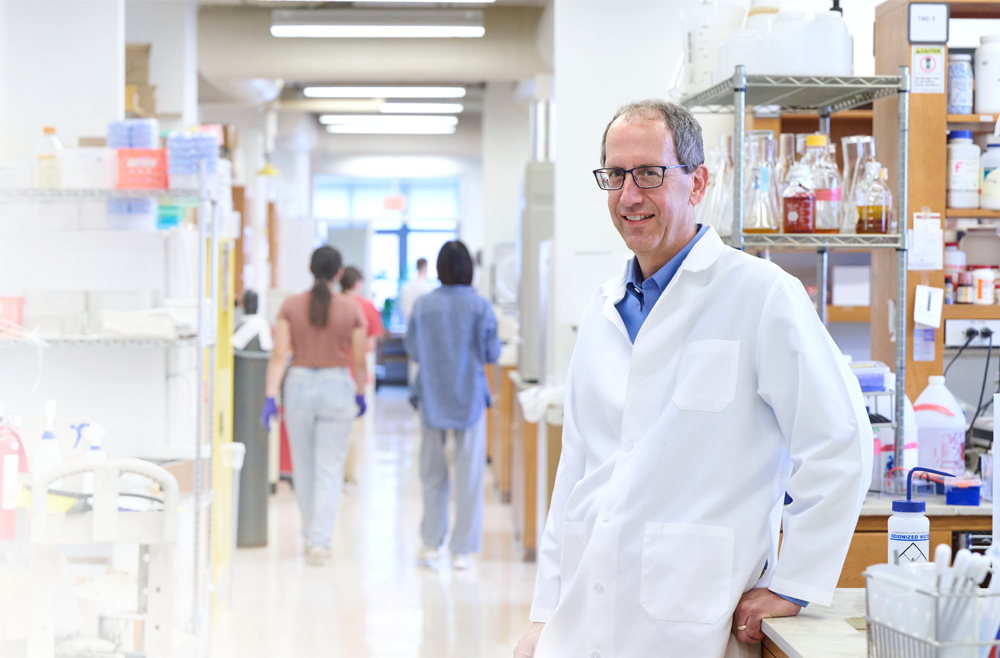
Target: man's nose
[631,193]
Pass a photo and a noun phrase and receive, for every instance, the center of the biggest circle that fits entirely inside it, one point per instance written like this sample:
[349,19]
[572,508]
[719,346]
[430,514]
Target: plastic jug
[741,47]
[830,44]
[941,428]
[704,27]
[789,45]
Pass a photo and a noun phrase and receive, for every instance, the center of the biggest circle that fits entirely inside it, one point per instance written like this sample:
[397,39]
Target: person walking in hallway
[323,332]
[451,335]
[352,283]
[414,290]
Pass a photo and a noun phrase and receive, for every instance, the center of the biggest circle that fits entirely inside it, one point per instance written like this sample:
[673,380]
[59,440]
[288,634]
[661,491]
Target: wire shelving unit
[825,95]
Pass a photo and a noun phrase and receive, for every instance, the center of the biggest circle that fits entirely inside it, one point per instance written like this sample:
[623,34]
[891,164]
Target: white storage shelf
[96,341]
[37,193]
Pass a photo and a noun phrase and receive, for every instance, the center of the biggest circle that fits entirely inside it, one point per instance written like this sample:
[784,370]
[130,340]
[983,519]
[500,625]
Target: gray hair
[682,125]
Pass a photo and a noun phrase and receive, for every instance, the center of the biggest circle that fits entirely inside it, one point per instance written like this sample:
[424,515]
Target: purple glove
[270,411]
[362,407]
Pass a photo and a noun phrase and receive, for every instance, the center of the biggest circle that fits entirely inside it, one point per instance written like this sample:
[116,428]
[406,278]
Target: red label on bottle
[828,195]
[799,213]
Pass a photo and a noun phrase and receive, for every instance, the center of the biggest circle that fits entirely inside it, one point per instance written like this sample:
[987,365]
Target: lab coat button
[599,588]
[606,516]
[629,446]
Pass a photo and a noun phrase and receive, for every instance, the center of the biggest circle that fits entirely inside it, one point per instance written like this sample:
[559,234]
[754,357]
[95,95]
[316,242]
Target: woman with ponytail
[323,332]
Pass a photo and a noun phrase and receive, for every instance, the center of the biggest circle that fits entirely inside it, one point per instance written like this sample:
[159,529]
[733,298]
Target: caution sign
[912,554]
[927,70]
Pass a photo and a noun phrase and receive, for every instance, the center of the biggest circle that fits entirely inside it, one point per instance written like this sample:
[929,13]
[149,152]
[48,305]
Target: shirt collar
[663,275]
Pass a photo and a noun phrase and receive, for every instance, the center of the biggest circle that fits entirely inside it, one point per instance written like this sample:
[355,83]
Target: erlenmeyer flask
[759,203]
[723,205]
[854,155]
[786,157]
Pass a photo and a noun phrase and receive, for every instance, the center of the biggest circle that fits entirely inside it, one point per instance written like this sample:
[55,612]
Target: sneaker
[426,555]
[317,556]
[461,562]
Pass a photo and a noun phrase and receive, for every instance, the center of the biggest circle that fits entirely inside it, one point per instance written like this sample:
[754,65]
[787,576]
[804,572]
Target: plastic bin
[142,169]
[249,375]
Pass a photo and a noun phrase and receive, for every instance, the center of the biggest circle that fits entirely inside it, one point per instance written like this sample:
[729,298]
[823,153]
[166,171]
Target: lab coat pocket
[706,376]
[574,543]
[687,572]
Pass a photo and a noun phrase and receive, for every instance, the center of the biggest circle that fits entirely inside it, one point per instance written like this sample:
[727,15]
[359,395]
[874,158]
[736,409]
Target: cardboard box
[137,63]
[851,285]
[86,142]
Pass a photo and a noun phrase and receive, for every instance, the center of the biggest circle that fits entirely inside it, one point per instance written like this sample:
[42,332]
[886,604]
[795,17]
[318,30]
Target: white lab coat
[677,453]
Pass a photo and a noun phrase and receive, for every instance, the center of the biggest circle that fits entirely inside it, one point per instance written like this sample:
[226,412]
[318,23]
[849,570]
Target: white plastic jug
[704,27]
[941,428]
[789,45]
[741,47]
[831,46]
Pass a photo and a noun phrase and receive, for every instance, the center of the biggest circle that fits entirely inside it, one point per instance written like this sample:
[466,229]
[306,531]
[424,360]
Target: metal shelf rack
[205,342]
[109,193]
[825,95]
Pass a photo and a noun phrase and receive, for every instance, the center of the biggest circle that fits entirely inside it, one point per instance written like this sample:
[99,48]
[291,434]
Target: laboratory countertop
[819,632]
[881,505]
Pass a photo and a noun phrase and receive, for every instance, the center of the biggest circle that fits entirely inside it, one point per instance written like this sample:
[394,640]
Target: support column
[62,64]
[171,27]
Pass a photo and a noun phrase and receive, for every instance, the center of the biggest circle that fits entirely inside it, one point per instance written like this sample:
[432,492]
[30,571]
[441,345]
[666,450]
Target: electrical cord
[982,391]
[970,335]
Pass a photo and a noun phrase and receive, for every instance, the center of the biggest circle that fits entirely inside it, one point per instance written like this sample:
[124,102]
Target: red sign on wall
[395,202]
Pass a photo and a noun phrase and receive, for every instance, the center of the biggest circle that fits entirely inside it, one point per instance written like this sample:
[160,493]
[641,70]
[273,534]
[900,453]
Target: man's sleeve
[571,469]
[818,404]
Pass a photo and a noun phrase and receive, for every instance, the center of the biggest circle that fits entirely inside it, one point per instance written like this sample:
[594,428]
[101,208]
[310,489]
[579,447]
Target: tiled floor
[373,601]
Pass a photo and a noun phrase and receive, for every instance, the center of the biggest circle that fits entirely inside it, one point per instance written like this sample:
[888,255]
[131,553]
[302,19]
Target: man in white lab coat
[702,388]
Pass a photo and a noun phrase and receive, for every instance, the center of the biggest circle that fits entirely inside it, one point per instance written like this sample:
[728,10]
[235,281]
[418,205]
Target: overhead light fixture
[421,108]
[401,129]
[387,120]
[377,23]
[384,92]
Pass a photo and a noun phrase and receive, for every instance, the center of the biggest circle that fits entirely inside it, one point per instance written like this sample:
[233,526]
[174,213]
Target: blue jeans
[319,409]
[470,463]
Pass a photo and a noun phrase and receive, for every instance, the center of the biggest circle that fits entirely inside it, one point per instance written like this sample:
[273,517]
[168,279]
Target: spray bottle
[909,529]
[47,454]
[94,434]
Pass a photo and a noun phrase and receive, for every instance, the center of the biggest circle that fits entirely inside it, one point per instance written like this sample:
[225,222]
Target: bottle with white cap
[963,170]
[989,175]
[909,529]
[47,454]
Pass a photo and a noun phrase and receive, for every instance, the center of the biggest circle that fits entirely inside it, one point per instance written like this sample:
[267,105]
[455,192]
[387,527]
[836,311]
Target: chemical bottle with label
[963,170]
[799,200]
[909,529]
[941,428]
[48,160]
[874,201]
[47,454]
[989,176]
[826,183]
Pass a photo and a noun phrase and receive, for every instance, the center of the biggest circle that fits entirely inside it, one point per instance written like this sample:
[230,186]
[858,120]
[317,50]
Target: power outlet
[954,332]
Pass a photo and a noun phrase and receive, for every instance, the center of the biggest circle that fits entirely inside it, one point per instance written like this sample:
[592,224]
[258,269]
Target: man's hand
[755,605]
[526,647]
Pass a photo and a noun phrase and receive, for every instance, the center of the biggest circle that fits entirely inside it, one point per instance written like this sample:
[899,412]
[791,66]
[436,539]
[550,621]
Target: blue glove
[270,411]
[362,407]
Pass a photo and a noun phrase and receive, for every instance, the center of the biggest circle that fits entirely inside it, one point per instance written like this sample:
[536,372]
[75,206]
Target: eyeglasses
[644,177]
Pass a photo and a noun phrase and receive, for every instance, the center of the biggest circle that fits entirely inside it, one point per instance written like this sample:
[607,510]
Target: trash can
[250,374]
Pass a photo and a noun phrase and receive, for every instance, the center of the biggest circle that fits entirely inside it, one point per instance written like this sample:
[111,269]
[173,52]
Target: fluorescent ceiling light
[378,23]
[387,120]
[384,92]
[401,129]
[421,108]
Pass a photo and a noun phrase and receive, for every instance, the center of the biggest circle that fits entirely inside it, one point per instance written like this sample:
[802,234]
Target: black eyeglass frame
[662,168]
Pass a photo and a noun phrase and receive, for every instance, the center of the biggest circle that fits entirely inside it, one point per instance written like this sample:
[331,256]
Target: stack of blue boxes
[185,152]
[133,214]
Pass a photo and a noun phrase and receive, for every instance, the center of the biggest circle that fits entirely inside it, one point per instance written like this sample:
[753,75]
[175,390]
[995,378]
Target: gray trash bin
[250,374]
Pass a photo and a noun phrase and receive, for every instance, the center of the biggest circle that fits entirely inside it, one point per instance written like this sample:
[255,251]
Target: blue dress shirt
[452,334]
[640,296]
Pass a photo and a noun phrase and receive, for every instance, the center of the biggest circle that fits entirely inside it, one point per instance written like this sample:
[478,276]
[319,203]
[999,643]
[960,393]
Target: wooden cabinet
[503,423]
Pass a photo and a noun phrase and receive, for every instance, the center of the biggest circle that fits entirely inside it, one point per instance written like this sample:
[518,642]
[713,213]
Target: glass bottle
[826,183]
[759,203]
[799,201]
[786,157]
[853,170]
[874,201]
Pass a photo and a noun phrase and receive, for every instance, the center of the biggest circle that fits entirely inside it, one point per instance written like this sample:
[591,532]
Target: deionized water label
[912,547]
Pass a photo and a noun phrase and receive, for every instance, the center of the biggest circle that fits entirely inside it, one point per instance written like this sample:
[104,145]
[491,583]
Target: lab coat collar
[702,256]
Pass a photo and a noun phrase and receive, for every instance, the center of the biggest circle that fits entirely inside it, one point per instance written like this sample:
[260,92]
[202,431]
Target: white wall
[62,64]
[171,27]
[505,152]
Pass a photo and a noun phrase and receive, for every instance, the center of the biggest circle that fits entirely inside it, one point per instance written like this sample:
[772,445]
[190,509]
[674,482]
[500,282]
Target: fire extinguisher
[12,462]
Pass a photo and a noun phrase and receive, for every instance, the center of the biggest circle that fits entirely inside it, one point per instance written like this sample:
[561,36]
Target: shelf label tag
[927,306]
[928,22]
[927,69]
[926,243]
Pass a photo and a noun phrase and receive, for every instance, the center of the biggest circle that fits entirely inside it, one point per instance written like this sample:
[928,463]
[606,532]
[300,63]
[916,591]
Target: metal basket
[885,641]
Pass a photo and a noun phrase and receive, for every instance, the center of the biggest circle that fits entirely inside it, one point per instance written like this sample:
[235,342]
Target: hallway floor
[372,600]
